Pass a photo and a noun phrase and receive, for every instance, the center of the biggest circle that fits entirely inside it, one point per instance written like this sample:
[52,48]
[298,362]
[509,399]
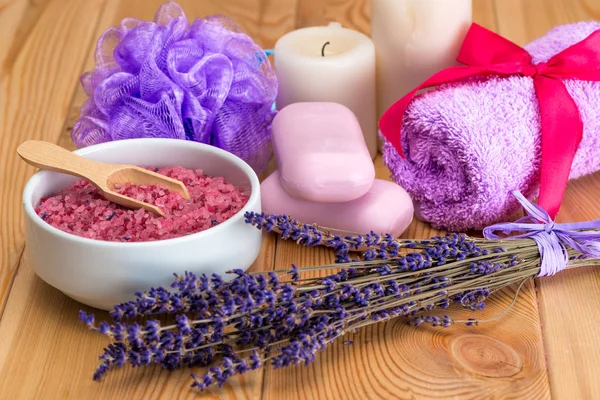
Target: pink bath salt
[82,211]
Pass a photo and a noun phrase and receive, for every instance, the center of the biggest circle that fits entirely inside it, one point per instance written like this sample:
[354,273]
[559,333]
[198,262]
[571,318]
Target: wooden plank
[500,359]
[484,13]
[40,323]
[568,301]
[569,304]
[356,14]
[17,19]
[393,360]
[36,86]
[47,353]
[277,17]
[524,20]
[352,14]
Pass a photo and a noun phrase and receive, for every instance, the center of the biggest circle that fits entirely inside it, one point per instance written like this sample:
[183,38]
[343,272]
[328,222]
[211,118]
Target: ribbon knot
[553,240]
[539,69]
[485,53]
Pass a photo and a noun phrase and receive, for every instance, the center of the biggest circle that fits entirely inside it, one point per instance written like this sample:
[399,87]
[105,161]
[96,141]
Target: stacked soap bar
[326,175]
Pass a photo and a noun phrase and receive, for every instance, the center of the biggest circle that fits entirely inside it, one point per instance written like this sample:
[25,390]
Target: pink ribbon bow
[486,53]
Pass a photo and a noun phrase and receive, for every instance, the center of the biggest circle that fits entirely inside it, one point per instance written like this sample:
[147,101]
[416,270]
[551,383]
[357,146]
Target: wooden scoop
[104,176]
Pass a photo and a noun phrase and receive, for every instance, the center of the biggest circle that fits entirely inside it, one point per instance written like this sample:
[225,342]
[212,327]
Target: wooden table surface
[548,346]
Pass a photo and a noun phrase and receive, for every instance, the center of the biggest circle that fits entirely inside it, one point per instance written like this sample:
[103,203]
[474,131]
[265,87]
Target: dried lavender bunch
[285,317]
[381,246]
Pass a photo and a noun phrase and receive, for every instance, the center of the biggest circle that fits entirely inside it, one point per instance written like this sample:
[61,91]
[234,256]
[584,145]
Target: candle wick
[323,49]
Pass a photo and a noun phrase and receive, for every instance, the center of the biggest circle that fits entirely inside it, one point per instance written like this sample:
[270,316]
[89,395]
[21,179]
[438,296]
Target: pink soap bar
[385,208]
[321,152]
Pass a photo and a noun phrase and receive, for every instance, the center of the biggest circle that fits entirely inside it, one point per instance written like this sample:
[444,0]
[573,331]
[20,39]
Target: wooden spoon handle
[48,156]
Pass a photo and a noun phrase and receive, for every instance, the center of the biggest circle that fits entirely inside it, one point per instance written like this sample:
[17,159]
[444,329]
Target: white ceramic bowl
[102,274]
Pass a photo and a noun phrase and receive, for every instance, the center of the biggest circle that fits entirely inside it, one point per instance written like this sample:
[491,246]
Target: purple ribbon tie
[553,240]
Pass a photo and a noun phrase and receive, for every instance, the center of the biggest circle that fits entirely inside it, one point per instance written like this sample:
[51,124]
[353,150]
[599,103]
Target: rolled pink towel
[469,144]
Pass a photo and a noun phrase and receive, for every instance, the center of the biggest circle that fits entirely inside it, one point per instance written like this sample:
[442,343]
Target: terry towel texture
[469,144]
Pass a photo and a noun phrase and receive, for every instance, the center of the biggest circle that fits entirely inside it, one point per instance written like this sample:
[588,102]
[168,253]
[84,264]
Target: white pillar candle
[329,64]
[414,39]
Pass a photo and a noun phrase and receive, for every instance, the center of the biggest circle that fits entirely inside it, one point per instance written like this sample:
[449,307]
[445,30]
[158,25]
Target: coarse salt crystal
[82,211]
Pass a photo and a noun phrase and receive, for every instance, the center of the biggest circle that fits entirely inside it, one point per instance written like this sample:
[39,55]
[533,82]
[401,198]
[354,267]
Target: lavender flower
[286,317]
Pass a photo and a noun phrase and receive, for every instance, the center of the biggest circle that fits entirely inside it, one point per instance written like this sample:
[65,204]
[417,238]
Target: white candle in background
[414,39]
[329,64]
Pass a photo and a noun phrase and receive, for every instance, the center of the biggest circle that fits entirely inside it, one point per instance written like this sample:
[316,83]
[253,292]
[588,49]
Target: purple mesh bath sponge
[206,81]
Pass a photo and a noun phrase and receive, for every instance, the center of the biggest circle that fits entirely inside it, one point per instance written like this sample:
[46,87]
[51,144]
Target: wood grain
[502,359]
[40,326]
[569,301]
[47,353]
[17,19]
[569,304]
[351,14]
[524,20]
[36,85]
[65,352]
